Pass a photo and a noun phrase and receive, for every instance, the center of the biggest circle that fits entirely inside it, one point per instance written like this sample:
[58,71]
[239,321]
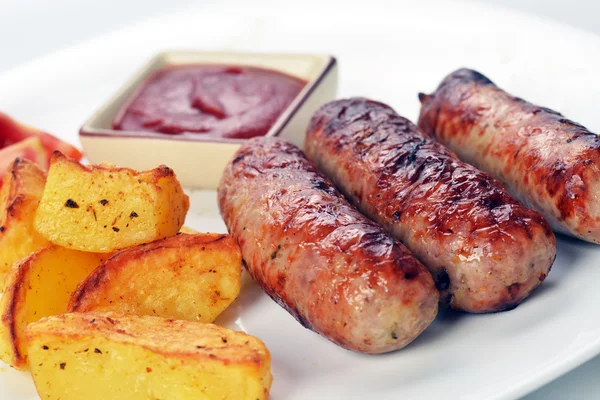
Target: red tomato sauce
[226,101]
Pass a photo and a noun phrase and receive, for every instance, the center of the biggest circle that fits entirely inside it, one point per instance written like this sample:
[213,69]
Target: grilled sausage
[548,162]
[486,251]
[336,271]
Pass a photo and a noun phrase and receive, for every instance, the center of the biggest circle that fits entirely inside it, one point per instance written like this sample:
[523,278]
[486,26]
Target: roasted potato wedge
[110,355]
[28,149]
[19,197]
[191,277]
[103,208]
[38,286]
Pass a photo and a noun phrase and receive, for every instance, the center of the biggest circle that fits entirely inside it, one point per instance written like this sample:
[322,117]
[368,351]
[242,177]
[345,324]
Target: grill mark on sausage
[554,181]
[420,191]
[442,280]
[419,161]
[239,158]
[314,253]
[467,75]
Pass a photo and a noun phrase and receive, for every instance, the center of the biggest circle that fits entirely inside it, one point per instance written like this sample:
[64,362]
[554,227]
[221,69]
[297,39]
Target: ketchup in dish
[227,101]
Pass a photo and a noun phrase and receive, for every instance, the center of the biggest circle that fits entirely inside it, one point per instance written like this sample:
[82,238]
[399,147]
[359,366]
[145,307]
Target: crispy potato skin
[547,161]
[486,251]
[103,208]
[39,285]
[144,357]
[337,272]
[192,277]
[30,149]
[19,197]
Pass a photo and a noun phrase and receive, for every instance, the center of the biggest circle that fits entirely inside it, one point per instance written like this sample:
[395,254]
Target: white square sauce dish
[192,110]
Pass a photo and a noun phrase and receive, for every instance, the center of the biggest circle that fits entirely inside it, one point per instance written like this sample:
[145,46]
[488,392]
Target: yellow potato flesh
[21,191]
[191,277]
[103,208]
[39,286]
[105,356]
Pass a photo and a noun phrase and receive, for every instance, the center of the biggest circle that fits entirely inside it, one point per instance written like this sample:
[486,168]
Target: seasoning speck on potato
[102,356]
[104,208]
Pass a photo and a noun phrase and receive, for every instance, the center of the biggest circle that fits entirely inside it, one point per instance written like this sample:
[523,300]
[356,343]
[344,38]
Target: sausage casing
[548,162]
[336,271]
[486,251]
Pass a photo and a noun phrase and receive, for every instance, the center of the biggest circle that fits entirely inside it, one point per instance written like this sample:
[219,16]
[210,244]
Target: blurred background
[43,26]
[34,28]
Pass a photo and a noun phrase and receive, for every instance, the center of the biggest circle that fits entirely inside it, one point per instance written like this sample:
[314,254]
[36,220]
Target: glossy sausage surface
[337,272]
[548,162]
[486,251]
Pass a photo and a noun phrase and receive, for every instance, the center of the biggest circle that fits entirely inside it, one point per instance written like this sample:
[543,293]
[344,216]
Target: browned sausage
[336,271]
[486,251]
[548,162]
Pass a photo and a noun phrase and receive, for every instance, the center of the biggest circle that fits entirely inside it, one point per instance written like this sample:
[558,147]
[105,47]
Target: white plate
[387,51]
